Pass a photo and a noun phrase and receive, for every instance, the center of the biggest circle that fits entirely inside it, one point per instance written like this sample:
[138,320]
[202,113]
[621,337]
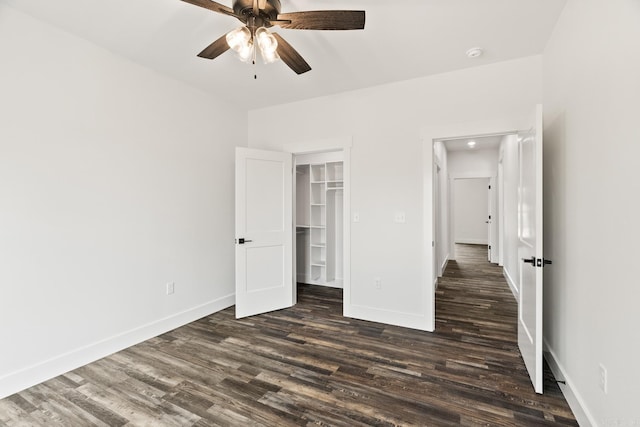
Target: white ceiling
[402,40]
[482,143]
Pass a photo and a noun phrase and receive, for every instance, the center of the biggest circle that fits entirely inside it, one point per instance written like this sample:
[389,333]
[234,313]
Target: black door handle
[242,241]
[531,261]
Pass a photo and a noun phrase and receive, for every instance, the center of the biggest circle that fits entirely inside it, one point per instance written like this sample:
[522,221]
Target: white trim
[333,144]
[318,145]
[569,390]
[398,318]
[43,371]
[466,241]
[470,175]
[443,267]
[512,284]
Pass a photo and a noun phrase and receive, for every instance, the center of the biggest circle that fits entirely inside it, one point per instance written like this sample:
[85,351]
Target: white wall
[592,204]
[511,179]
[114,181]
[471,210]
[392,128]
[473,163]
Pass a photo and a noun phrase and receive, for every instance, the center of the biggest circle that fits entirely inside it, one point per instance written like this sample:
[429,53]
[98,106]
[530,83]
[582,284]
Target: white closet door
[264,231]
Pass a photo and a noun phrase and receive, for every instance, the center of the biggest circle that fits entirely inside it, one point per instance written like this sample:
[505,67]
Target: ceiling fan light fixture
[268,45]
[246,52]
[239,39]
[269,57]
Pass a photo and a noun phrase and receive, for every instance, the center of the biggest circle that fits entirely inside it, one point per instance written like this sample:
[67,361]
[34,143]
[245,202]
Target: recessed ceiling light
[471,144]
[474,52]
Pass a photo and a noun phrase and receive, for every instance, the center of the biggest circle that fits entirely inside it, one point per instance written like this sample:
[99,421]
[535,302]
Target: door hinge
[489,187]
[489,247]
[489,216]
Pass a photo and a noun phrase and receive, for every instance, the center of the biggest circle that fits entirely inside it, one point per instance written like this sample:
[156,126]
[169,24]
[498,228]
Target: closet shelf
[319,245]
[302,226]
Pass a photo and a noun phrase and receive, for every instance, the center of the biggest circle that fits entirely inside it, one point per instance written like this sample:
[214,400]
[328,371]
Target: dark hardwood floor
[308,365]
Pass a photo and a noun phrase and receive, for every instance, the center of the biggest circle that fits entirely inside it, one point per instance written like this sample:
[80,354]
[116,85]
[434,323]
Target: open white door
[530,248]
[264,231]
[490,221]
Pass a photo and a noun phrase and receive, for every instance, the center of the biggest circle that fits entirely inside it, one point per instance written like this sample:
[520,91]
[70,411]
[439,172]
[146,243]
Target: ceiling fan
[259,15]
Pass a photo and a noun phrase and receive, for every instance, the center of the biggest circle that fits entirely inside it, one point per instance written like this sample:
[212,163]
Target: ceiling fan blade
[212,5]
[215,49]
[256,8]
[290,56]
[322,20]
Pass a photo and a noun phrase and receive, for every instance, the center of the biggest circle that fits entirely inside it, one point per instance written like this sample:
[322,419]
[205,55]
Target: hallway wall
[509,155]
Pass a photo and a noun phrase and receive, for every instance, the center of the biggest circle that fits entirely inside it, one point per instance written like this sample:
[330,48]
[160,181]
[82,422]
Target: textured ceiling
[402,40]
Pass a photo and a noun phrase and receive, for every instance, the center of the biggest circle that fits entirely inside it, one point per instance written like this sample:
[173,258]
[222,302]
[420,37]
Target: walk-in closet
[319,218]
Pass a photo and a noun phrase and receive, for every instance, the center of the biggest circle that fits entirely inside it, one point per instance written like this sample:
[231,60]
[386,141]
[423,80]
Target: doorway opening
[469,196]
[319,219]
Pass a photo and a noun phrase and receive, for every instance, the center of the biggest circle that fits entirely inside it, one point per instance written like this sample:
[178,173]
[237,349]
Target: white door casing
[494,221]
[489,221]
[264,211]
[530,248]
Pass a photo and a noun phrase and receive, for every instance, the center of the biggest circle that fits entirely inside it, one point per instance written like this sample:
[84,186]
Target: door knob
[242,241]
[531,261]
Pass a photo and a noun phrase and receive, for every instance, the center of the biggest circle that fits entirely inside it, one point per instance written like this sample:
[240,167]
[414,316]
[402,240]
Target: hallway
[476,309]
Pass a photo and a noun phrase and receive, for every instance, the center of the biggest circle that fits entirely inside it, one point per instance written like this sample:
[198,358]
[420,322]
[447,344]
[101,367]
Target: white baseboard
[443,267]
[338,283]
[45,370]
[575,401]
[511,282]
[390,317]
[472,241]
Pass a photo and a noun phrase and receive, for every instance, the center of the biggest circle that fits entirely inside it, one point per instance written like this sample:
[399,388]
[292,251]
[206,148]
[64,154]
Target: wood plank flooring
[308,365]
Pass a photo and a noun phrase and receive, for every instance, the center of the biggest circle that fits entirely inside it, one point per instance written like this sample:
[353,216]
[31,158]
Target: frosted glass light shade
[268,45]
[239,38]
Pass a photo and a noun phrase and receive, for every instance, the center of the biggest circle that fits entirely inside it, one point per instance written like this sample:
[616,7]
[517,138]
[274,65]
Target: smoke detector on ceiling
[474,52]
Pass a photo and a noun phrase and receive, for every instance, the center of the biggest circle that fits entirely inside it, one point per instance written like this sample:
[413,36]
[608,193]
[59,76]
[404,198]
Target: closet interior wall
[319,218]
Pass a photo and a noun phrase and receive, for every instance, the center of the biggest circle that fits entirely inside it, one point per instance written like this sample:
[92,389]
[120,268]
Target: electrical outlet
[377,282]
[171,288]
[400,218]
[603,378]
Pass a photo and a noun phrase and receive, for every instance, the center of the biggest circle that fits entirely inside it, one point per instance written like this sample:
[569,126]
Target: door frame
[429,135]
[452,179]
[343,144]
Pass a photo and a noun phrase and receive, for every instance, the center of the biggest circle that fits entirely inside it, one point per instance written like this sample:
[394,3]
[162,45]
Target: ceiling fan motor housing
[270,10]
